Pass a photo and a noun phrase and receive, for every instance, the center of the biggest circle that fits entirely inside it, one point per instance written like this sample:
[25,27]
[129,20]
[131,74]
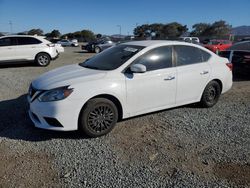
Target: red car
[218,45]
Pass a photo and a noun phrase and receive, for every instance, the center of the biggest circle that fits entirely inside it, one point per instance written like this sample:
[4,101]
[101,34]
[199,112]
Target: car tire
[211,94]
[98,117]
[42,59]
[97,50]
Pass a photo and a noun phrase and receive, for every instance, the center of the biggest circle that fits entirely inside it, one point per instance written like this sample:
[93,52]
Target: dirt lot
[181,147]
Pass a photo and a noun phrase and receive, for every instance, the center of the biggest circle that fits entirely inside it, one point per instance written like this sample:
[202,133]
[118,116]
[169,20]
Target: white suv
[17,48]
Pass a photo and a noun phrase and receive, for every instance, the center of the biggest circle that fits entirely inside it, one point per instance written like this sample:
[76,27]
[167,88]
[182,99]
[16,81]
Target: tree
[220,28]
[141,31]
[87,35]
[160,31]
[156,30]
[84,35]
[199,29]
[35,32]
[173,30]
[217,29]
[23,33]
[68,36]
[1,35]
[53,34]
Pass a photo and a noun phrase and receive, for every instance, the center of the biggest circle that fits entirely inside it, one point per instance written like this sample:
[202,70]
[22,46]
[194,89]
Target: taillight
[51,45]
[230,66]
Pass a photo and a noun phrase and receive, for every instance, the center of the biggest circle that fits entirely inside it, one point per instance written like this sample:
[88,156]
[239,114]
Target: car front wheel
[211,94]
[98,117]
[42,59]
[97,49]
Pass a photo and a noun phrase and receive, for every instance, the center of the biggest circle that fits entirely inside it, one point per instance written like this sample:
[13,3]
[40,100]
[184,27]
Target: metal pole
[120,29]
[11,29]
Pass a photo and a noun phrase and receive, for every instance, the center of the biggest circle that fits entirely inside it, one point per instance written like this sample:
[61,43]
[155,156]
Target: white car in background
[66,42]
[194,40]
[124,81]
[15,48]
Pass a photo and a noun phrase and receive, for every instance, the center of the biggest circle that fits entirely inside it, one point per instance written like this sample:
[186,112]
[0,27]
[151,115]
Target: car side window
[205,55]
[187,55]
[5,41]
[27,41]
[158,58]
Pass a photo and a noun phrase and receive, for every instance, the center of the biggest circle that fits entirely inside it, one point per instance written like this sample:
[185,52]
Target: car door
[106,45]
[156,88]
[27,48]
[7,50]
[193,72]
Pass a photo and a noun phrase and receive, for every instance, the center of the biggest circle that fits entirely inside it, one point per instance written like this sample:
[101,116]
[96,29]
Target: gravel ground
[181,147]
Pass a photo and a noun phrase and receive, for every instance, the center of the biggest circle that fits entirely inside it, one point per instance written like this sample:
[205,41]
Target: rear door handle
[169,78]
[204,72]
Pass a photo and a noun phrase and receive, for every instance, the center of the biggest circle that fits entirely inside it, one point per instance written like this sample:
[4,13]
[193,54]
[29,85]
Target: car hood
[66,75]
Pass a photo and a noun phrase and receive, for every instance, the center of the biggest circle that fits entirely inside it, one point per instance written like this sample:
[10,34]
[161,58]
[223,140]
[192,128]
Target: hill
[241,30]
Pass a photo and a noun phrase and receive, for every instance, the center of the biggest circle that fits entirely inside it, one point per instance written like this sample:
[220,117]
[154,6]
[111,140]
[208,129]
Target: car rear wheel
[42,59]
[98,117]
[211,94]
[97,49]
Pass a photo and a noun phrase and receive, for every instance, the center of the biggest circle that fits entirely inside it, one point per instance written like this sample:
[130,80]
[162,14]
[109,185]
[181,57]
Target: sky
[106,17]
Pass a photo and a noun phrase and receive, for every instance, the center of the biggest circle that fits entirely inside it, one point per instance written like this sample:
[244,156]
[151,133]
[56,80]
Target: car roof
[35,36]
[219,40]
[147,43]
[242,42]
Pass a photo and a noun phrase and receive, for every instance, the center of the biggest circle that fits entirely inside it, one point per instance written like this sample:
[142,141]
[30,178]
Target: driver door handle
[169,78]
[204,72]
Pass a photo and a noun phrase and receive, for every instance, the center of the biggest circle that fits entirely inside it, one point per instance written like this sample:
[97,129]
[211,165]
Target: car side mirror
[138,68]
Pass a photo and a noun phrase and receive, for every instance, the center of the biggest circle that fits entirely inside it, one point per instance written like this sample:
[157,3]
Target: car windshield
[112,58]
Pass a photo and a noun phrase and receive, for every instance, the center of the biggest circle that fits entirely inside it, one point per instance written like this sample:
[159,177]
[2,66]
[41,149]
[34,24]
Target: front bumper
[64,112]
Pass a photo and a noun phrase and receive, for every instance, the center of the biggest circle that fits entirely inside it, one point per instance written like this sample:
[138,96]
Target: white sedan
[127,80]
[66,42]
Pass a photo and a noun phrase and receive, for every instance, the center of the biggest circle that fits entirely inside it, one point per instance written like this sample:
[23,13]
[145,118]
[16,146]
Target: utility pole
[120,29]
[11,28]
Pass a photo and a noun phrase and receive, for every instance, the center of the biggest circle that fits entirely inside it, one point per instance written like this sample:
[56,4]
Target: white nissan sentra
[127,80]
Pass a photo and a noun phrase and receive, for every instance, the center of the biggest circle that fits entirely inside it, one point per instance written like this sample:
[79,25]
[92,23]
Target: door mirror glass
[138,68]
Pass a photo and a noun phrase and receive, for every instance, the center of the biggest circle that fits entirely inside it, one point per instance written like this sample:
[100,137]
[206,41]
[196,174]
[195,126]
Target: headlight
[55,94]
